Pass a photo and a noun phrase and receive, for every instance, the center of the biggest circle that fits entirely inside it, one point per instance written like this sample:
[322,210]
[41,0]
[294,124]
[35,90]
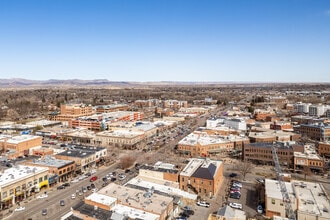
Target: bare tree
[126,161]
[244,168]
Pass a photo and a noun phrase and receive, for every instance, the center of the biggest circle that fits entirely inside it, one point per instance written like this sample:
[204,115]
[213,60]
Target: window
[11,192]
[40,179]
[200,190]
[204,190]
[18,189]
[273,201]
[35,182]
[182,179]
[24,186]
[210,183]
[4,194]
[45,177]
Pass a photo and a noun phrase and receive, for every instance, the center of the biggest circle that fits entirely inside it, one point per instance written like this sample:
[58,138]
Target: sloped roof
[205,172]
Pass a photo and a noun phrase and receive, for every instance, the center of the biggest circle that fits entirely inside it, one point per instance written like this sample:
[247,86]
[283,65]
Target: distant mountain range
[26,83]
[21,83]
[18,82]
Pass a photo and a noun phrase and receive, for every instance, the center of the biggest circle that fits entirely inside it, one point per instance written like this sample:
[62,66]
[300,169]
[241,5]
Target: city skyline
[195,41]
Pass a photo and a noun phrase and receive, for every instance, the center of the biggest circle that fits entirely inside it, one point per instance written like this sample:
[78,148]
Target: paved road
[34,207]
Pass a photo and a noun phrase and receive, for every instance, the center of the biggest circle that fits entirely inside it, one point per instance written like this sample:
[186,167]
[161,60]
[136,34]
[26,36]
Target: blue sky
[166,40]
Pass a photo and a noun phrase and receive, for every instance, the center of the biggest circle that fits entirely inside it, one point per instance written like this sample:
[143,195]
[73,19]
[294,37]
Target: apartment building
[85,157]
[271,136]
[19,182]
[274,201]
[71,111]
[317,131]
[262,152]
[261,115]
[280,125]
[202,176]
[122,138]
[308,200]
[234,123]
[147,103]
[22,145]
[324,149]
[59,170]
[201,144]
[111,108]
[175,104]
[308,161]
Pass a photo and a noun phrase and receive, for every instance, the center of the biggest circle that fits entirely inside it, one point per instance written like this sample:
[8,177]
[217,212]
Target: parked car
[93,178]
[235,195]
[94,190]
[92,186]
[89,187]
[235,205]
[60,187]
[84,189]
[121,176]
[260,210]
[44,212]
[73,196]
[21,208]
[42,196]
[62,203]
[233,175]
[203,203]
[237,184]
[66,184]
[113,179]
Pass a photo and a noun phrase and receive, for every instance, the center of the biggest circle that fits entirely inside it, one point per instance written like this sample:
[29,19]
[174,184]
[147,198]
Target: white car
[121,177]
[42,196]
[21,208]
[94,190]
[260,209]
[235,205]
[73,196]
[75,181]
[203,203]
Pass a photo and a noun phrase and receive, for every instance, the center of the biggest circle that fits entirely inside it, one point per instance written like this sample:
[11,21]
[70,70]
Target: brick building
[324,149]
[202,176]
[22,145]
[71,111]
[262,152]
[317,132]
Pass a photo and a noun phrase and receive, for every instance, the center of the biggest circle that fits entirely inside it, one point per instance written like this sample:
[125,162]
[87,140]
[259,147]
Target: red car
[93,178]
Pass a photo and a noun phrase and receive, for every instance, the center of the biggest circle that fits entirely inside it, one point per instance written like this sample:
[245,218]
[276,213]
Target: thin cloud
[327,13]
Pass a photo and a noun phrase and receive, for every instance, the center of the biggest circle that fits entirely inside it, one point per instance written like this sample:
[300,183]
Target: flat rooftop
[21,138]
[133,213]
[14,174]
[121,133]
[201,168]
[273,189]
[101,199]
[139,199]
[202,138]
[51,162]
[312,199]
[76,153]
[160,187]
